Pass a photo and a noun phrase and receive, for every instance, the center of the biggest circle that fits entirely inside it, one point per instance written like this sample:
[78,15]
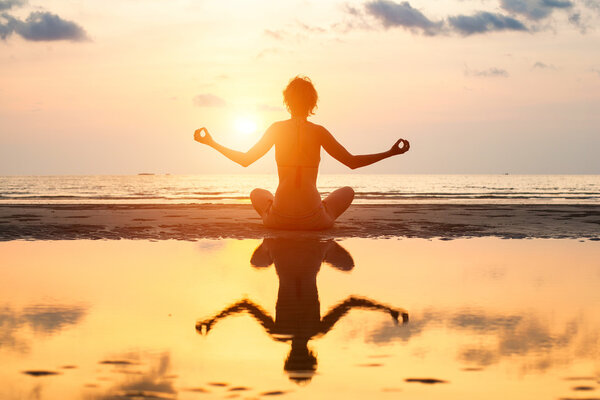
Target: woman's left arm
[244,159]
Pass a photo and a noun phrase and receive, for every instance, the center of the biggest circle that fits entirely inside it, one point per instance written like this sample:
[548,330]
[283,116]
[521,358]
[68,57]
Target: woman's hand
[202,136]
[396,149]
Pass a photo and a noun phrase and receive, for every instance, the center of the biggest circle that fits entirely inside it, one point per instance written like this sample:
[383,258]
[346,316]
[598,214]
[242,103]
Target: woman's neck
[298,118]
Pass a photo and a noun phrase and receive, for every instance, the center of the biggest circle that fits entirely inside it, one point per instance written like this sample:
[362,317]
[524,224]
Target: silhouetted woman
[297,203]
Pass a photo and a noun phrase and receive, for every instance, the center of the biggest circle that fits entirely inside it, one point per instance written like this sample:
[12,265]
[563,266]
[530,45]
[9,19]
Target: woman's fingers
[406,145]
[201,135]
[401,146]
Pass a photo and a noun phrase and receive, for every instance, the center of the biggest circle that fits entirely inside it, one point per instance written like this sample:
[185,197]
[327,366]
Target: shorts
[318,219]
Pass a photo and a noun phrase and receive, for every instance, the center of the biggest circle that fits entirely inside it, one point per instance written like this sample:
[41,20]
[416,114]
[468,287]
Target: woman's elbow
[353,164]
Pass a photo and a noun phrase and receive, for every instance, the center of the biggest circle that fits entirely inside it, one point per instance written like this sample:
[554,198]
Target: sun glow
[245,125]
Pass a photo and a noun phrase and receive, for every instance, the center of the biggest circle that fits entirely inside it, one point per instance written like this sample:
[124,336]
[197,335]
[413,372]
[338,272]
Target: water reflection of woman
[298,316]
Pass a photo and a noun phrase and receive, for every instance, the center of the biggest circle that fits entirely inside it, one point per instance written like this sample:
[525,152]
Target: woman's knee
[260,199]
[348,192]
[260,194]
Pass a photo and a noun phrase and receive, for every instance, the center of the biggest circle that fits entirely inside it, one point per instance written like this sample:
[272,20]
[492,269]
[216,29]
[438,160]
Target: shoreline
[213,221]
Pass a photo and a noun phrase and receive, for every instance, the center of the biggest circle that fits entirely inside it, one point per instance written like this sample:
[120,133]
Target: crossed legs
[336,203]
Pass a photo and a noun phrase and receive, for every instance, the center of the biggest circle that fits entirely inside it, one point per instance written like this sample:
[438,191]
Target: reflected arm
[336,313]
[339,152]
[244,305]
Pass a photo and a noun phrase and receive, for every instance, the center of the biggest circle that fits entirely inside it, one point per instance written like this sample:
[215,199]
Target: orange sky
[477,87]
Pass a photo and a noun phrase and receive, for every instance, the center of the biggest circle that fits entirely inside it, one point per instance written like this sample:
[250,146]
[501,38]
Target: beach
[164,287]
[240,221]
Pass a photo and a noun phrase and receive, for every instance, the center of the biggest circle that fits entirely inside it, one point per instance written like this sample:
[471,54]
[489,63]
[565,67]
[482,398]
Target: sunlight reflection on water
[359,318]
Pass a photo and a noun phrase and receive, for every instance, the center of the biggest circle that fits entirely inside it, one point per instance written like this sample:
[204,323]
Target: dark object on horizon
[40,372]
[426,381]
[145,174]
[116,362]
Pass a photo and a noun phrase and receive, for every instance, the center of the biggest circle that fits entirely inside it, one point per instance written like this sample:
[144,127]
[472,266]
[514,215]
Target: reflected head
[300,97]
[301,362]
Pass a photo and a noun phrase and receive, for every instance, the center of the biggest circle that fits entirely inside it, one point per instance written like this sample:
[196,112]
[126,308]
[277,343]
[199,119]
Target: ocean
[370,189]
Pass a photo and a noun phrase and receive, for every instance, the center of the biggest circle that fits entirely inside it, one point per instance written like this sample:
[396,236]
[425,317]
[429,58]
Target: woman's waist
[291,200]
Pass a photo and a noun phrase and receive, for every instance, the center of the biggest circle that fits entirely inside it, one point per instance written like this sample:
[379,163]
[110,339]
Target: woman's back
[298,153]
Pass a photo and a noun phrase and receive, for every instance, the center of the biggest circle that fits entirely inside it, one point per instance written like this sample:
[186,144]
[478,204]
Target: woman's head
[300,97]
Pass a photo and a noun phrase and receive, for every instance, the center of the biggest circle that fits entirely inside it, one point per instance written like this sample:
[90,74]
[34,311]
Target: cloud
[156,383]
[42,319]
[8,4]
[42,26]
[392,14]
[592,4]
[576,20]
[541,65]
[538,345]
[50,319]
[209,100]
[534,9]
[483,22]
[310,28]
[278,35]
[490,72]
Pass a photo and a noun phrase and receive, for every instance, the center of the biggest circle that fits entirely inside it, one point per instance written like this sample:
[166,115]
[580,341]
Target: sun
[245,125]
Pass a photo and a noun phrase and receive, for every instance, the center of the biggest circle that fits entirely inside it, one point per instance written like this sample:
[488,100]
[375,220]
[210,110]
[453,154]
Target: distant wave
[370,189]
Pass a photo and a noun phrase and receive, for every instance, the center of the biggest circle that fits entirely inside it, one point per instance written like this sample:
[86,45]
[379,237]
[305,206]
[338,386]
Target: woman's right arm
[244,159]
[339,152]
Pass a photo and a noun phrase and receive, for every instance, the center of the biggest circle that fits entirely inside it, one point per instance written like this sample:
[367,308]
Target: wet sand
[198,221]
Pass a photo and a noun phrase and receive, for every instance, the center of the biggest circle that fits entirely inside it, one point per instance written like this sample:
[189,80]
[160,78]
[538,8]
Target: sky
[476,86]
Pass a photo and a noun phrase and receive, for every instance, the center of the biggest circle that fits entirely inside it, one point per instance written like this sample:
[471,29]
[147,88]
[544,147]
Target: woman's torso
[298,153]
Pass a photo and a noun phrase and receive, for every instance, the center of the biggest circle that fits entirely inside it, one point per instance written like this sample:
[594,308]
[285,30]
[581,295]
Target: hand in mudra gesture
[397,149]
[202,136]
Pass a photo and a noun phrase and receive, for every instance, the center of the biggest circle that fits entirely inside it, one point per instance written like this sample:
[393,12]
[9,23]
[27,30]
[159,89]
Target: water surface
[370,189]
[485,318]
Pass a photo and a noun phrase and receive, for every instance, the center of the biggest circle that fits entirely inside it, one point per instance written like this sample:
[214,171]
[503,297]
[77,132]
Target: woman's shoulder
[286,124]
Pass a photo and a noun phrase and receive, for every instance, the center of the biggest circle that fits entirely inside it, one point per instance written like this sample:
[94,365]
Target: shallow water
[370,189]
[487,318]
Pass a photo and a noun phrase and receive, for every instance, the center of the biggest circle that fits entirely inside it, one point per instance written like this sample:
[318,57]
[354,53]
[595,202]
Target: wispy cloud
[274,34]
[155,383]
[534,9]
[41,319]
[541,65]
[483,22]
[512,17]
[8,4]
[311,28]
[403,15]
[39,26]
[209,100]
[577,21]
[490,72]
